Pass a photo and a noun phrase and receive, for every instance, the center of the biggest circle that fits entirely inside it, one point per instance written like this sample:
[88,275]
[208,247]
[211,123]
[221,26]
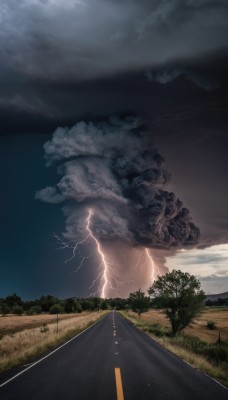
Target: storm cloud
[58,38]
[68,61]
[53,52]
[114,168]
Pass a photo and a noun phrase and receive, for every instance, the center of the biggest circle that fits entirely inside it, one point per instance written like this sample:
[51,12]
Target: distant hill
[215,297]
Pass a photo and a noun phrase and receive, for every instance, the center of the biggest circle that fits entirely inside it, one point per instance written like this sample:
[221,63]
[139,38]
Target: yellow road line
[119,386]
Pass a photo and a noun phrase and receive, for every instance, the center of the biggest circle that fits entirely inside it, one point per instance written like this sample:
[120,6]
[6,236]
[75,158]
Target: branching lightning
[144,261]
[145,258]
[104,279]
[153,266]
[106,276]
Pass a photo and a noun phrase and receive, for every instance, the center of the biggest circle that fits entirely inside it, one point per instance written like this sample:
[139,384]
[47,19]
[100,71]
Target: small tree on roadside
[139,302]
[56,309]
[179,294]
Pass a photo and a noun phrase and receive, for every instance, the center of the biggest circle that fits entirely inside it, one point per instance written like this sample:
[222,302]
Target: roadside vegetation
[30,328]
[43,333]
[204,348]
[180,323]
[174,315]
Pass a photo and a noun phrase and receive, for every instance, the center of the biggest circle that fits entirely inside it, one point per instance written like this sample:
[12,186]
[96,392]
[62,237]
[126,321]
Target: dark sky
[163,63]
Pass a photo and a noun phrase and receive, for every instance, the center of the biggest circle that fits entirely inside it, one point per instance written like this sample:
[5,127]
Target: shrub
[34,310]
[4,309]
[44,328]
[18,310]
[212,352]
[211,325]
[215,354]
[158,330]
[78,307]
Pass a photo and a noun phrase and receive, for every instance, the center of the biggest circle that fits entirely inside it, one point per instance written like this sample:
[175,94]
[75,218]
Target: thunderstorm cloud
[85,60]
[113,168]
[49,47]
[125,33]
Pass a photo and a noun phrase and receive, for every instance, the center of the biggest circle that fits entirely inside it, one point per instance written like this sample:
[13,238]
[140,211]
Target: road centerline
[119,386]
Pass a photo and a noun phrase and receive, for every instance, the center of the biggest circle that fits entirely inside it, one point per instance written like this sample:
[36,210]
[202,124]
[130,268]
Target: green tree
[103,305]
[13,300]
[69,305]
[96,302]
[18,310]
[139,302]
[4,308]
[179,294]
[47,301]
[86,304]
[34,310]
[56,309]
[117,303]
[78,307]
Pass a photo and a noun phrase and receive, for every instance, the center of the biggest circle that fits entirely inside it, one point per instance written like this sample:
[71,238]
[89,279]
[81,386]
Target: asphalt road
[112,360]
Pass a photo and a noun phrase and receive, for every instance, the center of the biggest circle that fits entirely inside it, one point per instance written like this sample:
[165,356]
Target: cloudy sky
[117,107]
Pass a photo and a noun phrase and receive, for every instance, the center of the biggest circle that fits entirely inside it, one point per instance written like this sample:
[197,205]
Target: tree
[13,300]
[18,310]
[139,302]
[179,294]
[56,309]
[4,308]
[34,310]
[103,305]
[69,305]
[78,307]
[47,301]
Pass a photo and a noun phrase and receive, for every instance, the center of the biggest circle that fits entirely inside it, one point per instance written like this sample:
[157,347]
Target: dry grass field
[15,323]
[198,345]
[199,326]
[25,337]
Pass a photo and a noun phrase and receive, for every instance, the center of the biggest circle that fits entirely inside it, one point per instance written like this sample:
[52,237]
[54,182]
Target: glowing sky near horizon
[209,265]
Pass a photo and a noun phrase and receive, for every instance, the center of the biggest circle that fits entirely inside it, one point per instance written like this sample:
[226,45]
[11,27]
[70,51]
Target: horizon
[113,145]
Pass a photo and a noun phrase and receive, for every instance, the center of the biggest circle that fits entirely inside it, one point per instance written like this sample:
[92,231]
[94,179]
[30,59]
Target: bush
[4,309]
[56,309]
[215,354]
[78,307]
[104,305]
[211,325]
[212,352]
[34,310]
[44,328]
[158,330]
[18,310]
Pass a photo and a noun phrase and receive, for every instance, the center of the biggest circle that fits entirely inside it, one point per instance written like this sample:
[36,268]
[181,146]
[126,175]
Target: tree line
[220,302]
[13,304]
[177,293]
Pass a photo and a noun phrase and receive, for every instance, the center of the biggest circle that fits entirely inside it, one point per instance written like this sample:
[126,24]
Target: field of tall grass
[24,338]
[218,315]
[203,348]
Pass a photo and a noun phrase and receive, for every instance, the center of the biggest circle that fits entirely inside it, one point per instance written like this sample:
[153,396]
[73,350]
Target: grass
[197,345]
[24,345]
[10,323]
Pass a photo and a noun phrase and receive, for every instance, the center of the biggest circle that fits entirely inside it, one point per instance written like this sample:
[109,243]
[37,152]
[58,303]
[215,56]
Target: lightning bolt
[102,256]
[152,265]
[106,274]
